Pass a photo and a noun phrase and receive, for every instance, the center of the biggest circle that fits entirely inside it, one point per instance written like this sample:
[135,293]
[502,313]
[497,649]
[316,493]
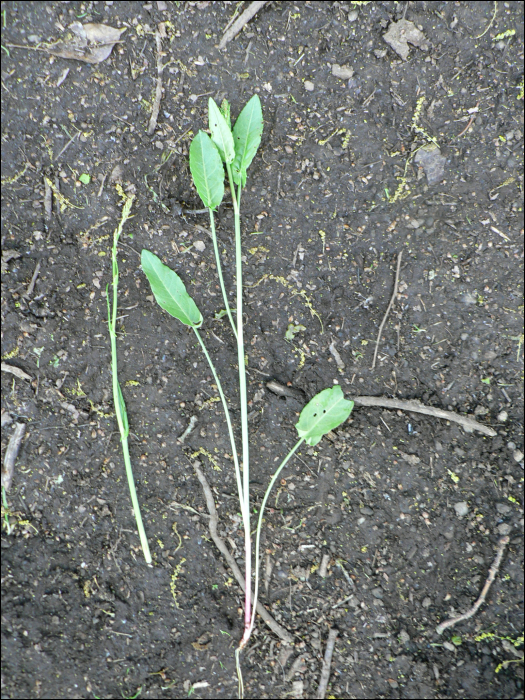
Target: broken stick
[469,424]
[325,672]
[239,23]
[158,89]
[11,454]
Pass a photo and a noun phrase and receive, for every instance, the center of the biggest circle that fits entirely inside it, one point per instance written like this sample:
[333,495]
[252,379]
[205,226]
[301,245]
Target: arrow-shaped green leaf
[207,170]
[169,290]
[323,413]
[247,134]
[220,132]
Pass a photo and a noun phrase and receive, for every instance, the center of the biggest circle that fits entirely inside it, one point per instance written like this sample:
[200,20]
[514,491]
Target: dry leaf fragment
[402,33]
[91,43]
[433,163]
[8,255]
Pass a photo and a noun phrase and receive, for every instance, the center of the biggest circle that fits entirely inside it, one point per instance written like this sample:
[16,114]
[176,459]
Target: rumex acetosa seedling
[234,150]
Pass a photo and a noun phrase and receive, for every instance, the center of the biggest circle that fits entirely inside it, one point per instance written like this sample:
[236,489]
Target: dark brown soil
[413,508]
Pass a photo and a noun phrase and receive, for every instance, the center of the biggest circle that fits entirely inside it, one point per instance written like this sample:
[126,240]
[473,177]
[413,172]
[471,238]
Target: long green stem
[228,421]
[219,272]
[123,429]
[243,396]
[259,526]
[118,400]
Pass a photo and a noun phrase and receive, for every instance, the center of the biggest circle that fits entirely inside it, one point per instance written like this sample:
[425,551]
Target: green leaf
[220,132]
[292,331]
[85,179]
[247,134]
[169,291]
[207,170]
[123,413]
[323,413]
[225,111]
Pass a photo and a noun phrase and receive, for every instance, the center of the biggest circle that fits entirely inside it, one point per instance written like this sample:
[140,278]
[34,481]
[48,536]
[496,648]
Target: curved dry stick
[468,423]
[474,609]
[246,16]
[272,624]
[394,294]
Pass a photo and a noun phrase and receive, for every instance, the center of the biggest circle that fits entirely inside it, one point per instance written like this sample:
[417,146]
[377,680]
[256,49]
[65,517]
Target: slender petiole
[219,272]
[243,398]
[259,526]
[228,421]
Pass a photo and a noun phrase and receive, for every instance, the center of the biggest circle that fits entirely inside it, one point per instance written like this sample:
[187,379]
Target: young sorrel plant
[118,399]
[236,149]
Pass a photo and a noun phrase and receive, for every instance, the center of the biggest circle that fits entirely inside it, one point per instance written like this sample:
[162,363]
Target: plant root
[474,609]
[219,543]
[392,298]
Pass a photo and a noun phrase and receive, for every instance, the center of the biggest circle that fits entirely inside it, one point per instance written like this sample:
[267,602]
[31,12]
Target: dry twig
[474,609]
[325,672]
[31,286]
[243,20]
[11,454]
[394,294]
[214,521]
[469,424]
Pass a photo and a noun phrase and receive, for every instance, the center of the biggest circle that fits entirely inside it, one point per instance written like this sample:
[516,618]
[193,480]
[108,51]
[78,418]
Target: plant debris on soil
[391,524]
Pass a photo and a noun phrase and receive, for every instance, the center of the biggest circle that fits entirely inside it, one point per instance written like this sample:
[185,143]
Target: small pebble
[481,411]
[503,508]
[511,446]
[502,416]
[308,85]
[404,637]
[353,15]
[503,529]
[518,456]
[200,246]
[448,646]
[461,509]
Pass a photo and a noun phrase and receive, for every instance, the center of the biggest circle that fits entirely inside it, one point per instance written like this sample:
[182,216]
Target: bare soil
[408,509]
